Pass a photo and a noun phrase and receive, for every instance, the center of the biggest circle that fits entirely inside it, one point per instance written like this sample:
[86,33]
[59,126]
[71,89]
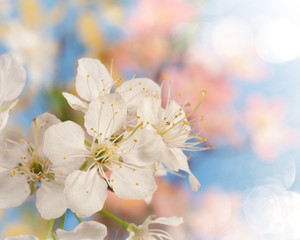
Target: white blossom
[12,82]
[114,158]
[144,232]
[26,165]
[174,130]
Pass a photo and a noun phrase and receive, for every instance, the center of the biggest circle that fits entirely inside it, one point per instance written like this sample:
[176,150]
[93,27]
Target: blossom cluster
[129,138]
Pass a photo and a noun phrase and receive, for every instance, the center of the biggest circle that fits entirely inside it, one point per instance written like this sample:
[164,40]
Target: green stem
[50,227]
[114,218]
[62,221]
[78,218]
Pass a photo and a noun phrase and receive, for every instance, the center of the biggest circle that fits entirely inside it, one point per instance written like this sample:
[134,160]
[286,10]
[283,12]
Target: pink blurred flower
[160,16]
[217,216]
[188,81]
[264,119]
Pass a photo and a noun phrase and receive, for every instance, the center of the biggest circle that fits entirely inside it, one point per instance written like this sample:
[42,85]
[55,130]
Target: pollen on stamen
[140,83]
[155,169]
[103,89]
[20,140]
[87,191]
[207,148]
[138,117]
[137,184]
[3,151]
[134,169]
[112,180]
[88,75]
[144,89]
[65,158]
[103,102]
[204,127]
[130,89]
[135,140]
[134,75]
[116,112]
[112,104]
[41,179]
[120,167]
[147,122]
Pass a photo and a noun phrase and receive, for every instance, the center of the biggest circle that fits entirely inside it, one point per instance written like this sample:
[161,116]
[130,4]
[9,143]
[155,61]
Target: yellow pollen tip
[20,140]
[88,75]
[208,148]
[87,191]
[103,89]
[130,89]
[41,179]
[164,79]
[112,105]
[137,184]
[134,75]
[103,102]
[140,83]
[134,169]
[3,151]
[155,169]
[144,89]
[120,167]
[138,117]
[205,139]
[112,180]
[147,122]
[179,95]
[65,158]
[112,59]
[204,127]
[116,112]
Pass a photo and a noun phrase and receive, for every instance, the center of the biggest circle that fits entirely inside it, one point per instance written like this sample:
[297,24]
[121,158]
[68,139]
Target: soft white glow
[278,41]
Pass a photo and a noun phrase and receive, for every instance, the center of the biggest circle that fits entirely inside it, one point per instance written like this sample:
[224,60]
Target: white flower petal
[86,192]
[171,221]
[13,190]
[106,115]
[133,184]
[40,124]
[90,230]
[146,148]
[22,237]
[64,145]
[92,79]
[75,102]
[133,91]
[4,114]
[50,198]
[12,78]
[150,110]
[195,184]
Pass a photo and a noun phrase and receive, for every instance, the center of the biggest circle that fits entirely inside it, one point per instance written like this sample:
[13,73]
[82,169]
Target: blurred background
[244,53]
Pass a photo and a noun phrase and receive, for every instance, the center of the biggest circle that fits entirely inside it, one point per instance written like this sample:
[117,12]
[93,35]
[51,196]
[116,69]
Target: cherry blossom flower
[90,230]
[26,166]
[12,82]
[143,232]
[93,81]
[269,134]
[118,157]
[174,131]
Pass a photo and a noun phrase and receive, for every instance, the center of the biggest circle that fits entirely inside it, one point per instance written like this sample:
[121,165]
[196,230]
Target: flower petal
[170,221]
[106,115]
[64,145]
[14,189]
[133,184]
[92,79]
[4,115]
[133,91]
[86,192]
[50,198]
[90,230]
[38,127]
[12,78]
[150,110]
[75,102]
